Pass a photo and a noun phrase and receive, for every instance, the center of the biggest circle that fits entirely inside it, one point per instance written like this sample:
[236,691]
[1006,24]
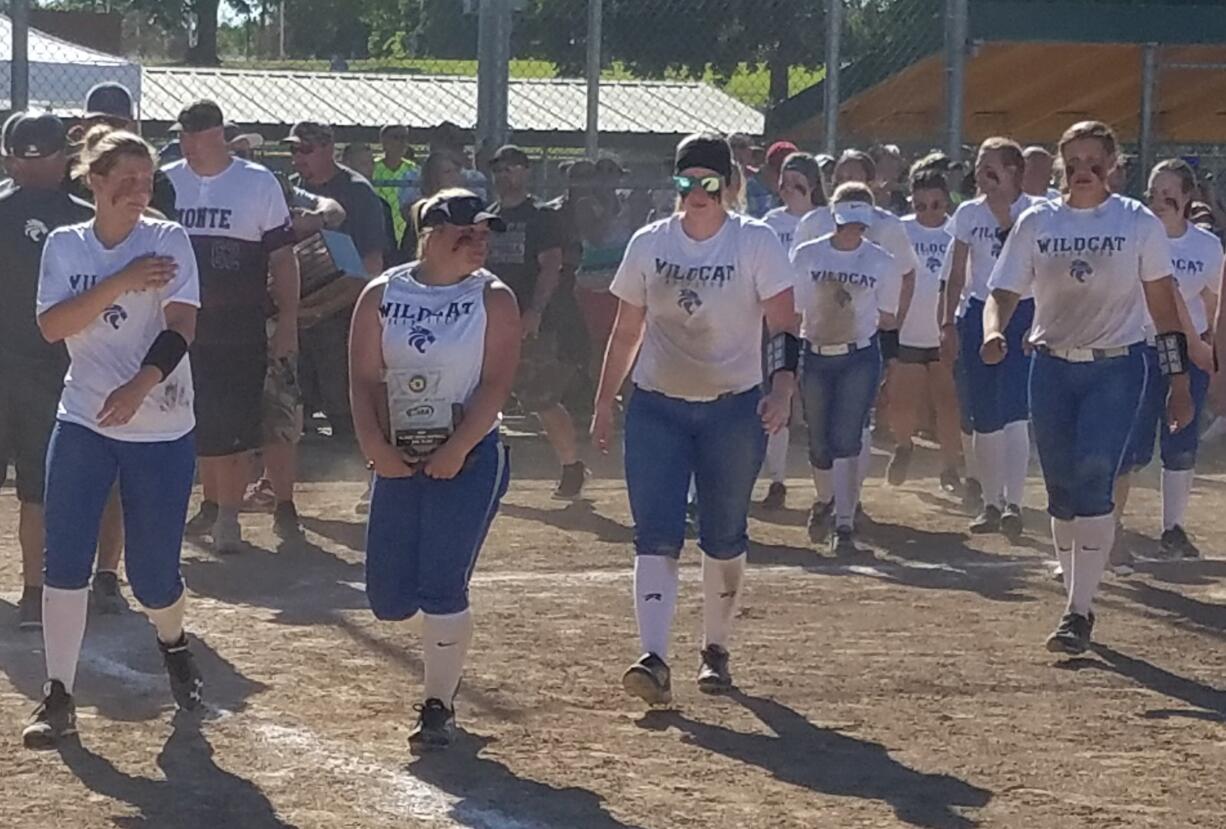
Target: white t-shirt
[704,304]
[784,224]
[886,231]
[108,352]
[1086,267]
[975,225]
[921,328]
[840,292]
[1196,257]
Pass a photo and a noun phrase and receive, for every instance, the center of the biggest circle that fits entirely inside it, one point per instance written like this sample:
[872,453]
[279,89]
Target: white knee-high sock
[775,467]
[169,620]
[444,647]
[990,459]
[866,459]
[823,485]
[1064,538]
[968,456]
[1017,460]
[721,588]
[846,491]
[63,630]
[1176,491]
[655,600]
[1093,548]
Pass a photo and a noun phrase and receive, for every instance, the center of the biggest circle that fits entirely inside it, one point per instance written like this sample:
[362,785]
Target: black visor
[460,210]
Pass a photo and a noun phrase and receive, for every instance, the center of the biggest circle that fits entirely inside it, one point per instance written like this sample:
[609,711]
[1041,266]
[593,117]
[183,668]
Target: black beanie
[705,150]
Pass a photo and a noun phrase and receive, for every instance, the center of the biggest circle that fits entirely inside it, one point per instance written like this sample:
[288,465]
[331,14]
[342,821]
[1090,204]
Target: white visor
[253,140]
[852,212]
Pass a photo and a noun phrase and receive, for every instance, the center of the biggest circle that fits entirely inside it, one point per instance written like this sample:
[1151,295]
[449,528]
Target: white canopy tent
[61,73]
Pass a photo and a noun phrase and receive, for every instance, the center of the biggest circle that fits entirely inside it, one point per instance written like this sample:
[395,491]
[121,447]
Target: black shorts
[918,356]
[229,388]
[29,396]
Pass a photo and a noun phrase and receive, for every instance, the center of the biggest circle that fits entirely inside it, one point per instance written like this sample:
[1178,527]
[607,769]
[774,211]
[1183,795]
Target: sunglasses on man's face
[711,185]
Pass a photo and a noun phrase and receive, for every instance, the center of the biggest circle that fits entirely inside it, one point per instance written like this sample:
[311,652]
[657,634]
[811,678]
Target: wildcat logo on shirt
[398,313]
[860,280]
[1077,245]
[718,275]
[933,264]
[35,231]
[1080,270]
[114,316]
[689,300]
[420,338]
[1188,266]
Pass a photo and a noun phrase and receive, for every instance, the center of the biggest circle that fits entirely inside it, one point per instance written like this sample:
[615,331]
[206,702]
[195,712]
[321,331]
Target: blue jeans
[838,392]
[1083,415]
[423,534]
[155,483]
[994,396]
[1178,448]
[720,443]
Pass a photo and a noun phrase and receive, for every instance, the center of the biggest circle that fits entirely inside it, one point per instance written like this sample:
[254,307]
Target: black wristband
[1172,353]
[782,353]
[889,344]
[165,352]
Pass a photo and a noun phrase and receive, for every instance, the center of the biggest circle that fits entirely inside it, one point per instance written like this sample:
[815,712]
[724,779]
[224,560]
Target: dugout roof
[1034,68]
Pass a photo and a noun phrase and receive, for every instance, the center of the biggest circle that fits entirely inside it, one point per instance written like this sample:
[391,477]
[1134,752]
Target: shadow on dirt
[827,761]
[1208,703]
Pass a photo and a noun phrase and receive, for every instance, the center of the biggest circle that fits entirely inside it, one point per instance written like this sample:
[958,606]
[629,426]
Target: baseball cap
[610,167]
[34,135]
[510,154]
[310,132]
[778,152]
[394,131]
[852,212]
[234,135]
[200,116]
[460,209]
[109,100]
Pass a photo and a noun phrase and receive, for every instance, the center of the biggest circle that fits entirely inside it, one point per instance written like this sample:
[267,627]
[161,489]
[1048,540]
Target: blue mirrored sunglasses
[687,184]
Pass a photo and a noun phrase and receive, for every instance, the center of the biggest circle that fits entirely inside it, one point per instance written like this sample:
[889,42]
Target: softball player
[450,330]
[1095,262]
[845,285]
[800,186]
[1196,262]
[995,397]
[692,290]
[121,291]
[919,365]
[887,232]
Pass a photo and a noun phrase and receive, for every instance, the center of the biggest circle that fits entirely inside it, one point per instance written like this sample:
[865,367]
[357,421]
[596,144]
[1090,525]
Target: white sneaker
[227,537]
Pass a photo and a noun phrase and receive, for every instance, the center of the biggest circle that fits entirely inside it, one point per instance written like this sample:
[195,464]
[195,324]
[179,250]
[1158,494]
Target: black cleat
[1072,636]
[202,522]
[900,462]
[842,545]
[54,719]
[285,524]
[650,680]
[1011,524]
[972,497]
[104,596]
[1176,544]
[186,684]
[776,497]
[713,676]
[435,728]
[30,609]
[819,521]
[570,487]
[987,521]
[950,482]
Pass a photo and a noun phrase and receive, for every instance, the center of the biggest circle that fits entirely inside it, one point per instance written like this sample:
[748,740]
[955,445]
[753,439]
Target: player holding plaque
[433,351]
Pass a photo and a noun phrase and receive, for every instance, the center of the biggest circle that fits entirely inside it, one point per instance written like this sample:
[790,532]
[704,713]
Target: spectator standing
[358,157]
[762,188]
[441,171]
[325,313]
[395,176]
[1036,173]
[235,213]
[888,189]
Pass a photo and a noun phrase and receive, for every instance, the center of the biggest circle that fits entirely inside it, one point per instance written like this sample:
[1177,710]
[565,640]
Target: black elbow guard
[782,353]
[1172,352]
[166,352]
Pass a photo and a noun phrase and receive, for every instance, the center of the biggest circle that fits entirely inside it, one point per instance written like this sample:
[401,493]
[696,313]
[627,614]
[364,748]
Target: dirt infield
[910,689]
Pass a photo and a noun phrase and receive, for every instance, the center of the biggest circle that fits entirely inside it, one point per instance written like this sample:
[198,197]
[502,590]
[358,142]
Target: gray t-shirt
[364,219]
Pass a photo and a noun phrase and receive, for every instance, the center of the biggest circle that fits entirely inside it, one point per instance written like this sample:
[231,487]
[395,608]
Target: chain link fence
[573,78]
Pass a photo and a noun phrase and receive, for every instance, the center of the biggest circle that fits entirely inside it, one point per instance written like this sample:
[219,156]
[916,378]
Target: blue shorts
[838,392]
[994,396]
[720,443]
[155,483]
[1178,448]
[1083,415]
[423,535]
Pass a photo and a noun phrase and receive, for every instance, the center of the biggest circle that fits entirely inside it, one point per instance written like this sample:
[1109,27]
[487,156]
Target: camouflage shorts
[282,405]
[543,377]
